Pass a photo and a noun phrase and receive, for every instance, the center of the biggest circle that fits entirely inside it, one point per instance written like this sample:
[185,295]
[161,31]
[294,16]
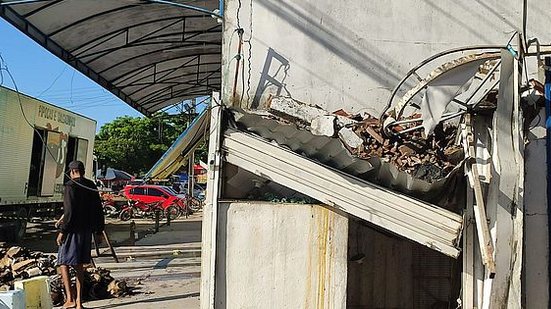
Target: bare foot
[69,304]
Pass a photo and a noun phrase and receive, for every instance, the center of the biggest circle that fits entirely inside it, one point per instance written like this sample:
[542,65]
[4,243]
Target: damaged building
[362,154]
[346,177]
[344,210]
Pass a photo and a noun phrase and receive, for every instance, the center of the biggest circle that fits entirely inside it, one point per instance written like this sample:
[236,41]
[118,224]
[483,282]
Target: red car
[152,194]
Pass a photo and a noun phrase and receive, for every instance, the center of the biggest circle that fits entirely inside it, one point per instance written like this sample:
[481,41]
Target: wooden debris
[117,288]
[18,263]
[5,262]
[14,252]
[375,135]
[405,150]
[19,267]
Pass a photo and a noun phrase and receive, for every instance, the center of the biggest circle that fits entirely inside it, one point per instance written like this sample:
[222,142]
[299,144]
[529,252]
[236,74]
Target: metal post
[157,215]
[548,147]
[210,210]
[132,232]
[191,174]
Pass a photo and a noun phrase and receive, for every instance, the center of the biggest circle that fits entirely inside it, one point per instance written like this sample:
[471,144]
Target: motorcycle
[139,209]
[109,209]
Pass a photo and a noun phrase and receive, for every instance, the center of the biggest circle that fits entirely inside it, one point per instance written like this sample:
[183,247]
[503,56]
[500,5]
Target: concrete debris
[428,159]
[350,138]
[323,125]
[288,108]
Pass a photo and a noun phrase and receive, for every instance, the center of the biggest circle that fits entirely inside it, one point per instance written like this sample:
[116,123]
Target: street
[163,267]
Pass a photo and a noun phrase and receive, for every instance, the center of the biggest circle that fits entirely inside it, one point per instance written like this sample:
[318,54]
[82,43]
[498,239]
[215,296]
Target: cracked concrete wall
[350,54]
[536,241]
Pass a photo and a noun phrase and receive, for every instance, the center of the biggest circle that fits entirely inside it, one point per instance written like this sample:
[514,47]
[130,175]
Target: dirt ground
[164,266]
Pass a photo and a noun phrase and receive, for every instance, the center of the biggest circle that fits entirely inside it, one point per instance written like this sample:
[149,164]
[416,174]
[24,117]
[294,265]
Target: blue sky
[40,74]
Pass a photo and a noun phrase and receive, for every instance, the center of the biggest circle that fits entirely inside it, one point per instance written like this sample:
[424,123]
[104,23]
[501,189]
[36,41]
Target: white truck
[37,142]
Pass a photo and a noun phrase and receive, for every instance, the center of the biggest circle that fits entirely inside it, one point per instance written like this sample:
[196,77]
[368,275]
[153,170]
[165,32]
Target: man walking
[82,216]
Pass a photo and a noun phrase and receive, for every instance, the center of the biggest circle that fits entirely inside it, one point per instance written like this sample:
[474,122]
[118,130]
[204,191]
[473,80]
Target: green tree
[134,144]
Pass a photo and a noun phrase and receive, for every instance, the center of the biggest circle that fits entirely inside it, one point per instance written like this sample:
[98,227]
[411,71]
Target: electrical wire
[52,84]
[249,58]
[4,67]
[71,97]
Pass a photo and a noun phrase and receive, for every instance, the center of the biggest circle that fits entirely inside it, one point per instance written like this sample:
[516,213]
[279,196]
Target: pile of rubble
[17,263]
[428,159]
[98,284]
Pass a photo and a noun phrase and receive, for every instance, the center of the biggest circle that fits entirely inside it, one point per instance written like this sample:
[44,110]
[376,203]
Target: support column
[210,210]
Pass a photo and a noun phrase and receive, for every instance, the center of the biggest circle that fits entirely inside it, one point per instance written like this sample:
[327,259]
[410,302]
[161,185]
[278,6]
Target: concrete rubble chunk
[324,125]
[350,138]
[343,121]
[288,107]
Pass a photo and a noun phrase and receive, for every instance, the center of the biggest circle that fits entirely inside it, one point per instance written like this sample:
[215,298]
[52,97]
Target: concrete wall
[280,256]
[350,54]
[536,241]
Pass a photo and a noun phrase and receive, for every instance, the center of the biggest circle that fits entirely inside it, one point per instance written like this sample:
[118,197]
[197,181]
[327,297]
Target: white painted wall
[350,54]
[536,273]
[274,255]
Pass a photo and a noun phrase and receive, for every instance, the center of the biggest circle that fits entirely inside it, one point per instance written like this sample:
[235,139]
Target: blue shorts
[76,249]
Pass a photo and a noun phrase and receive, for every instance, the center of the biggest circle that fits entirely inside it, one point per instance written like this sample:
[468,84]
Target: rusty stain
[323,228]
[309,260]
[328,238]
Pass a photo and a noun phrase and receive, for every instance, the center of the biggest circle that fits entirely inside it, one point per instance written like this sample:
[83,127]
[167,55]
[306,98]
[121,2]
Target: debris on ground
[18,263]
[98,284]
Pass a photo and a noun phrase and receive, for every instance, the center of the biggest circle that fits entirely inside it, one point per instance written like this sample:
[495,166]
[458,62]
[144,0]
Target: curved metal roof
[151,55]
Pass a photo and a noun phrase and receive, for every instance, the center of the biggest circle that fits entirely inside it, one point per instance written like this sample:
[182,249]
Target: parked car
[198,190]
[147,194]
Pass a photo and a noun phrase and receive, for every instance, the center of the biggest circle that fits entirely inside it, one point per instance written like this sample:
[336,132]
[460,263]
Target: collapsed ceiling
[151,55]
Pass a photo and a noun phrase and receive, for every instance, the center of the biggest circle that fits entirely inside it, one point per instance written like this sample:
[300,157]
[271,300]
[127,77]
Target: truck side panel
[15,158]
[16,138]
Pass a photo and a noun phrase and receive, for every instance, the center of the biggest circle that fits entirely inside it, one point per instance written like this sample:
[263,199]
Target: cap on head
[77,165]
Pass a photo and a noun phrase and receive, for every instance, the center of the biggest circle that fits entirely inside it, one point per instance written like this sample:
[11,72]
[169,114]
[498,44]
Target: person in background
[82,216]
[176,187]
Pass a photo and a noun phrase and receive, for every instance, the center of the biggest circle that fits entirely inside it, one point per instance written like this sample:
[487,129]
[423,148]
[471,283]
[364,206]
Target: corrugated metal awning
[176,156]
[151,55]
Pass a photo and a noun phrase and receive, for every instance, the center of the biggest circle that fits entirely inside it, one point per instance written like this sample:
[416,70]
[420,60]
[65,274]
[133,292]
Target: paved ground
[164,266]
